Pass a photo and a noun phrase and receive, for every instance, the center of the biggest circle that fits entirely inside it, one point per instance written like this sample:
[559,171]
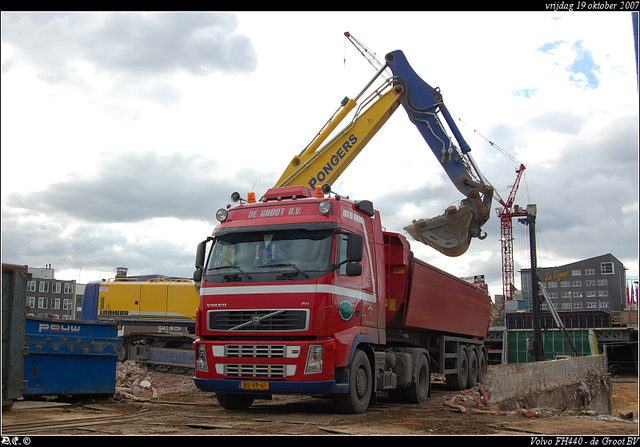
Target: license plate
[254,385]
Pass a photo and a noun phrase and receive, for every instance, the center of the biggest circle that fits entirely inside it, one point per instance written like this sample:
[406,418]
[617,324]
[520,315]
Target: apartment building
[49,297]
[594,284]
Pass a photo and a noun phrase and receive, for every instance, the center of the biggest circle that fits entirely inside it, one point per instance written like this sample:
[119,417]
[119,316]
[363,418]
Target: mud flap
[448,233]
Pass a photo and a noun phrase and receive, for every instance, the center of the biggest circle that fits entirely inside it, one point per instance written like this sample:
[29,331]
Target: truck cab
[289,284]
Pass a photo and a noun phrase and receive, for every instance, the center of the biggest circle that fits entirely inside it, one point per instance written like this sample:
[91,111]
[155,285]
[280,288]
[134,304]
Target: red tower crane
[508,212]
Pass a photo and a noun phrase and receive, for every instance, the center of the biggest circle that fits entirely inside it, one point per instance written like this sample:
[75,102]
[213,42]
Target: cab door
[356,291]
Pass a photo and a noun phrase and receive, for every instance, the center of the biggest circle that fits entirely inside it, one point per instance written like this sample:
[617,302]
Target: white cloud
[123,133]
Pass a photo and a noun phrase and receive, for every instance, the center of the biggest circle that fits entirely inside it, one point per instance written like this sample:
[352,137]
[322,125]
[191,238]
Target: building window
[42,302]
[576,283]
[577,305]
[31,301]
[566,306]
[592,305]
[67,304]
[591,293]
[606,268]
[590,282]
[56,288]
[67,288]
[543,306]
[589,271]
[576,272]
[604,304]
[552,284]
[552,295]
[603,282]
[31,286]
[565,283]
[44,287]
[603,293]
[577,294]
[566,294]
[55,303]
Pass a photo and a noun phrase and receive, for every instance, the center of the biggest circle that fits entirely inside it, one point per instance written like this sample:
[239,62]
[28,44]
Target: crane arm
[317,165]
[451,232]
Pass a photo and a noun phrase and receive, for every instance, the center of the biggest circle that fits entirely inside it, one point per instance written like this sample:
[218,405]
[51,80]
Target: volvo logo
[255,320]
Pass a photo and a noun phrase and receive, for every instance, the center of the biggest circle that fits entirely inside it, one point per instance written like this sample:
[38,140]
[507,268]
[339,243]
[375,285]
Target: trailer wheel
[418,391]
[356,400]
[458,381]
[235,401]
[473,368]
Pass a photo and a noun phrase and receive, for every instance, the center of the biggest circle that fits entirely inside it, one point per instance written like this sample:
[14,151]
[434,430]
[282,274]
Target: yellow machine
[156,317]
[168,302]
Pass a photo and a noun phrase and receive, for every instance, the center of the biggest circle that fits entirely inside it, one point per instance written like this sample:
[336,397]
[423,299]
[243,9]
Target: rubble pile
[136,380]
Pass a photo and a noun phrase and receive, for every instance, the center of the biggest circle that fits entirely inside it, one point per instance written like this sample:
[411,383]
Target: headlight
[314,360]
[324,207]
[201,359]
[221,215]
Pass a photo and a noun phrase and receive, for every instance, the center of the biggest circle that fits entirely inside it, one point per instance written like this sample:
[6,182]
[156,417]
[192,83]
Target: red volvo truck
[304,293]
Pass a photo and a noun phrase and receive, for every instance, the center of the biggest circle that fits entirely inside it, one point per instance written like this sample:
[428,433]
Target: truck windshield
[275,255]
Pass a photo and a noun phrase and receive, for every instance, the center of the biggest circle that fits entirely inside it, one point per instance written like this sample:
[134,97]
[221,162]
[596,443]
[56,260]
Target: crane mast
[508,212]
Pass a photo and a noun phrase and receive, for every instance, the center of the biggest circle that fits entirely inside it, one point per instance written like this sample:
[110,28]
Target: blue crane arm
[424,106]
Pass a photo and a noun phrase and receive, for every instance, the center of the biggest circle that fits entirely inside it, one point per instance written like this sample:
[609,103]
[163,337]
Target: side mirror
[355,247]
[354,269]
[201,253]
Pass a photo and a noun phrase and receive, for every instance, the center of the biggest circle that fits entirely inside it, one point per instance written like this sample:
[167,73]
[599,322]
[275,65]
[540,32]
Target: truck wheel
[235,401]
[418,391]
[473,368]
[458,381]
[360,386]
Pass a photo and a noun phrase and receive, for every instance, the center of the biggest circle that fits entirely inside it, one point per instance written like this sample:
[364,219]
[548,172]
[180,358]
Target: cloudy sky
[123,133]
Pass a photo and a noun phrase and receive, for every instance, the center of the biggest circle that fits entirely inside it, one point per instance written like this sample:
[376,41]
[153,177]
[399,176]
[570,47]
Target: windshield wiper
[285,264]
[231,267]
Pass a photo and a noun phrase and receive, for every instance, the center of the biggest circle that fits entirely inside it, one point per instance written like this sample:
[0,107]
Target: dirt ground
[153,403]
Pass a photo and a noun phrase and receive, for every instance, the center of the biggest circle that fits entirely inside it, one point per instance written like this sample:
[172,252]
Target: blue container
[69,357]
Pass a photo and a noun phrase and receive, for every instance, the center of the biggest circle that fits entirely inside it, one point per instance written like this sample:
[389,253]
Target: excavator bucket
[448,233]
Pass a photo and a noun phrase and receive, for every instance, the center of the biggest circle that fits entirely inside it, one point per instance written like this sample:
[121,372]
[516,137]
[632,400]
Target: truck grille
[246,320]
[272,371]
[256,351]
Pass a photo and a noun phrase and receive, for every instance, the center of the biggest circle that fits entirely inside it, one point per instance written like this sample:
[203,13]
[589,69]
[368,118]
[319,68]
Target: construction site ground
[156,403]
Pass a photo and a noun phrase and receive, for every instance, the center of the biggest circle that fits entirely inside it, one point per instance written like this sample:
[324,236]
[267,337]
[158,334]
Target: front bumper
[275,387]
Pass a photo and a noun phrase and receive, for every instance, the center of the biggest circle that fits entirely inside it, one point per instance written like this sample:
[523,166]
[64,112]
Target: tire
[123,353]
[473,368]
[419,391]
[235,401]
[458,381]
[356,400]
